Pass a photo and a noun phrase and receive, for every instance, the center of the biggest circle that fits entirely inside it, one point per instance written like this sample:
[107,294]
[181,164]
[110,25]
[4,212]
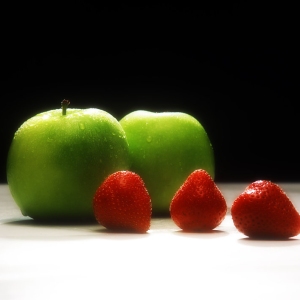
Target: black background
[232,65]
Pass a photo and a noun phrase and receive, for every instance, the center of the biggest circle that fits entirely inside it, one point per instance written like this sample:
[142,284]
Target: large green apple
[58,158]
[165,148]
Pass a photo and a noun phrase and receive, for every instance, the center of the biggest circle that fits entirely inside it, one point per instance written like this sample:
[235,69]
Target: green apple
[58,158]
[165,147]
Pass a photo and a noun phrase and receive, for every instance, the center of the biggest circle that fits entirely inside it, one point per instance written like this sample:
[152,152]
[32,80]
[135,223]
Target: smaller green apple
[58,158]
[165,148]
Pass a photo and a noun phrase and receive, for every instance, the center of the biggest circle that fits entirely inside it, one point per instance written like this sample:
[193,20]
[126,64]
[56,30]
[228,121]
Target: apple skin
[56,162]
[165,148]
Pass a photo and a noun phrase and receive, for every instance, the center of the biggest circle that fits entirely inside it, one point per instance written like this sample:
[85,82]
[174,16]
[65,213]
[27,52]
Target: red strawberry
[263,210]
[122,202]
[198,205]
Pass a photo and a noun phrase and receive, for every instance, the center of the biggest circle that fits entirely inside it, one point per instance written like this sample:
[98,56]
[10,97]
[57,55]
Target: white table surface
[87,262]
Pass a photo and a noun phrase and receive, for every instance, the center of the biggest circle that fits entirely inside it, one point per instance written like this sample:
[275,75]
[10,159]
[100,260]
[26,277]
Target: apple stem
[64,105]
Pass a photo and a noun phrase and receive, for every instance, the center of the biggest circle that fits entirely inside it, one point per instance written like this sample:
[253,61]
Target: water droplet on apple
[81,126]
[149,139]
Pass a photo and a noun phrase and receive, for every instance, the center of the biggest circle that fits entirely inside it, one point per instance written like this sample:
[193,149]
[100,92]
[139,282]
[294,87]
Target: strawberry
[198,205]
[263,210]
[122,202]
